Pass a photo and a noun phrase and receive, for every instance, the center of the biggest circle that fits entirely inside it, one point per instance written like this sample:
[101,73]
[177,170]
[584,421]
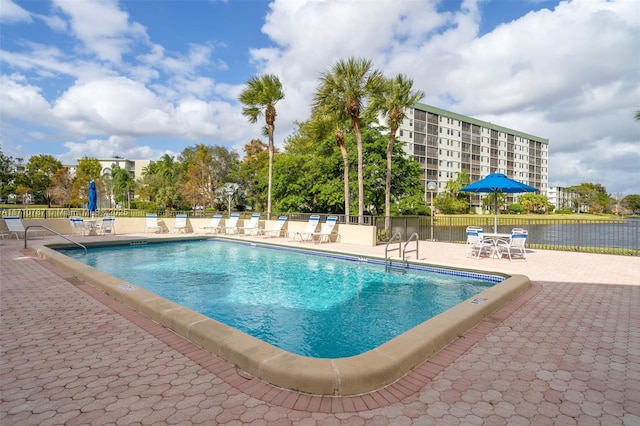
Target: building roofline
[440,111]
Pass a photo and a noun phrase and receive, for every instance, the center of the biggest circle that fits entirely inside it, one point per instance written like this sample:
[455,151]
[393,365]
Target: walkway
[570,354]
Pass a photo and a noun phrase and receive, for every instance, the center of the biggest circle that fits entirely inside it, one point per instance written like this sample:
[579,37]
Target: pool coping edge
[344,376]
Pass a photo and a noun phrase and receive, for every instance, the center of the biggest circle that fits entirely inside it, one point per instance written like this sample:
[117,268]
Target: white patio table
[494,237]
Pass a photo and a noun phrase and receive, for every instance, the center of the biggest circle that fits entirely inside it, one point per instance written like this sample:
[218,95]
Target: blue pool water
[308,304]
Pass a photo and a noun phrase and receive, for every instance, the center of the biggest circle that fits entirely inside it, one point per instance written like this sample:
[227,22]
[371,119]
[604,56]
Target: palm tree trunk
[387,189]
[270,173]
[339,135]
[347,200]
[356,126]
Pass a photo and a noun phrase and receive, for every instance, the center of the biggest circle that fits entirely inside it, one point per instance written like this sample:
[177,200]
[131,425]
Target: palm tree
[323,122]
[260,97]
[344,90]
[398,94]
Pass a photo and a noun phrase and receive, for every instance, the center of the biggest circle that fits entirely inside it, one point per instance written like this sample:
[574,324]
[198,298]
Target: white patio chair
[476,244]
[307,234]
[514,247]
[326,231]
[180,224]
[214,225]
[107,226]
[231,224]
[77,225]
[15,227]
[151,222]
[276,231]
[252,227]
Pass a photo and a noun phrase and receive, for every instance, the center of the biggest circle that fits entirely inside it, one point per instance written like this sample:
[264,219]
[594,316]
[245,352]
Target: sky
[140,79]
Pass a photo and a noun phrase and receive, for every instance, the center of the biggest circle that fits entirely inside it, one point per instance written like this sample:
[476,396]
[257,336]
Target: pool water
[308,304]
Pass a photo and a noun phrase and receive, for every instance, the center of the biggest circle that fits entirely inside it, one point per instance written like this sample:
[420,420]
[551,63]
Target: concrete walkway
[567,352]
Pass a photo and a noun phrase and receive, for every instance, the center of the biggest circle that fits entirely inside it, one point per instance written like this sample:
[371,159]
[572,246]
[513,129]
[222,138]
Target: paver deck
[567,352]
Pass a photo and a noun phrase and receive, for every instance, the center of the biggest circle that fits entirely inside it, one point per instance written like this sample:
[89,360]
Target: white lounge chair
[276,231]
[476,244]
[151,222]
[180,224]
[77,225]
[307,234]
[15,227]
[214,226]
[107,226]
[252,227]
[514,247]
[326,231]
[231,224]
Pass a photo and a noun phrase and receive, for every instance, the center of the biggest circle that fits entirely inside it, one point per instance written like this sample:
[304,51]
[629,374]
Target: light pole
[432,186]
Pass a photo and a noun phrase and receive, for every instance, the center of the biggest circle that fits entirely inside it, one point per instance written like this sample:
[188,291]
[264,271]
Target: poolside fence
[594,236]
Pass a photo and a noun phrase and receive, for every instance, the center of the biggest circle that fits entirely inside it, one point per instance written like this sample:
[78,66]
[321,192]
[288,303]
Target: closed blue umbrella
[92,206]
[496,183]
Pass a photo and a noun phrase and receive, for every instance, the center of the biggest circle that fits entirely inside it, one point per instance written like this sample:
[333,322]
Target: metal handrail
[55,232]
[413,237]
[387,249]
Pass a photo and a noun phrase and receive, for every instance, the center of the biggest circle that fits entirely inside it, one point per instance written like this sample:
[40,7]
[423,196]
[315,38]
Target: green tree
[88,169]
[591,197]
[159,183]
[123,183]
[452,200]
[61,183]
[259,98]
[534,203]
[344,91]
[204,169]
[7,175]
[253,171]
[324,122]
[397,95]
[631,203]
[40,170]
[230,194]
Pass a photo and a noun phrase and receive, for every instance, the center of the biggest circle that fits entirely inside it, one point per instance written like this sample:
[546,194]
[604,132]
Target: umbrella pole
[495,213]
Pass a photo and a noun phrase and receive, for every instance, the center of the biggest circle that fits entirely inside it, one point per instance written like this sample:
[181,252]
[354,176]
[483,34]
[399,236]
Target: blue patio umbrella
[92,206]
[496,183]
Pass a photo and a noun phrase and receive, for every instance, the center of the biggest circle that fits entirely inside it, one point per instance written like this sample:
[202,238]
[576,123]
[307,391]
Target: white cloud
[102,27]
[568,74]
[12,13]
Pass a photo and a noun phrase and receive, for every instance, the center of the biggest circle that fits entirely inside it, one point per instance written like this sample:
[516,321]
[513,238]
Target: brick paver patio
[567,352]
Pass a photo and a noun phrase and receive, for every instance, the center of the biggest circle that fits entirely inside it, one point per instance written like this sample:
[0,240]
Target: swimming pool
[353,375]
[308,304]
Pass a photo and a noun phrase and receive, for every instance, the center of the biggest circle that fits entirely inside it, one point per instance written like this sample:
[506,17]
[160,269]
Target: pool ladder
[402,250]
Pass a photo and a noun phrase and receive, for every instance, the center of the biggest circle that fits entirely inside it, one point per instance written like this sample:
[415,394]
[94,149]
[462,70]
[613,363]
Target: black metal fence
[595,236]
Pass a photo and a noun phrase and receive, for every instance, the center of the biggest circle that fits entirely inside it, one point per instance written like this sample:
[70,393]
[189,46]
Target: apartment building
[444,143]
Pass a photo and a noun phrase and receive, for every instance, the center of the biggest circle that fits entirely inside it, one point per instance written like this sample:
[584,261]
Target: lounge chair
[107,226]
[77,225]
[253,226]
[180,224]
[151,222]
[231,224]
[214,226]
[326,231]
[276,231]
[514,247]
[476,244]
[307,234]
[15,227]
